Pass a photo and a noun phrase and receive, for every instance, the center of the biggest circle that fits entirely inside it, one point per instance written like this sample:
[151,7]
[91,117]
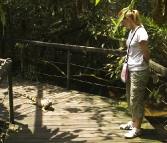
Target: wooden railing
[6,67]
[66,47]
[6,71]
[155,66]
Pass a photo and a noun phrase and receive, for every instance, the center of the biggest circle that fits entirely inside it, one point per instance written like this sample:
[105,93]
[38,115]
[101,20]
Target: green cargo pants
[135,91]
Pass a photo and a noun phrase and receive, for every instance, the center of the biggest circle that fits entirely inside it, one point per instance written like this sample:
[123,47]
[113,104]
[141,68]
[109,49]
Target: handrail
[6,71]
[155,66]
[158,68]
[68,47]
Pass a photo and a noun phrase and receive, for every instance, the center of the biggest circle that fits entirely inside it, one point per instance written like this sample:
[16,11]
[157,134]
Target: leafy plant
[130,7]
[31,73]
[3,19]
[157,40]
[115,67]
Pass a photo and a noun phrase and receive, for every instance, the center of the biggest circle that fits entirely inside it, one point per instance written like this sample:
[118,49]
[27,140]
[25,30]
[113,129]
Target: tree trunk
[165,11]
[158,11]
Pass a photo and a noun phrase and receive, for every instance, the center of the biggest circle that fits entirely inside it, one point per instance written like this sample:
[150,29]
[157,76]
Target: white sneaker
[155,77]
[128,126]
[133,133]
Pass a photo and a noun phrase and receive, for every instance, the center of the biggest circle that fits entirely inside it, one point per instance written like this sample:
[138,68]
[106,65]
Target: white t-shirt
[135,60]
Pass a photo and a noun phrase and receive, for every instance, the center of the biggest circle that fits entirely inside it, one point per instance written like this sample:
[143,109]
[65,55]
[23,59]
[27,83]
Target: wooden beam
[155,66]
[68,47]
[158,68]
[4,69]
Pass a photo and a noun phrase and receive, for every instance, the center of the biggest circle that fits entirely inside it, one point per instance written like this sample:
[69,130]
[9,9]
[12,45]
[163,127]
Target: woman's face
[125,22]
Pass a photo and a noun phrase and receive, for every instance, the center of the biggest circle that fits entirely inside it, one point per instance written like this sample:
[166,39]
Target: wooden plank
[81,140]
[68,136]
[78,117]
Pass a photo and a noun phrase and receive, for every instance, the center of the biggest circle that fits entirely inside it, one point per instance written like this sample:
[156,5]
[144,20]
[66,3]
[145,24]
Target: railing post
[10,92]
[3,49]
[22,62]
[68,68]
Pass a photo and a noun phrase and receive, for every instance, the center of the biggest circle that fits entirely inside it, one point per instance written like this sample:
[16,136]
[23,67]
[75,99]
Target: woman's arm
[145,50]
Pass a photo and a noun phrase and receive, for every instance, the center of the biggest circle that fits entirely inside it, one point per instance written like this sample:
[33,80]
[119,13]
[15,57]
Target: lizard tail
[27,96]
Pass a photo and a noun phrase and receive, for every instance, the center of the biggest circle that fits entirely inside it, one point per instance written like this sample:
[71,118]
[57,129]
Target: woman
[138,65]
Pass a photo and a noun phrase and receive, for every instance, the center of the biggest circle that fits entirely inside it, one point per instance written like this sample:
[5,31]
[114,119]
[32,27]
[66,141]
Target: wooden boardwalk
[78,117]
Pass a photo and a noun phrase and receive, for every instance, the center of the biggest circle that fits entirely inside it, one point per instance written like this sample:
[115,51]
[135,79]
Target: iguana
[45,104]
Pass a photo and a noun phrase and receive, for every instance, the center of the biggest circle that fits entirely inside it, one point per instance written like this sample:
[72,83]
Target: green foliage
[31,73]
[156,93]
[157,40]
[21,46]
[114,68]
[145,7]
[123,14]
[97,1]
[3,20]
[56,20]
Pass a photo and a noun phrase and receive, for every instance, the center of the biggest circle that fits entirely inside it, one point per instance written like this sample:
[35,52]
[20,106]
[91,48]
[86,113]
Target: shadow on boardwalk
[78,117]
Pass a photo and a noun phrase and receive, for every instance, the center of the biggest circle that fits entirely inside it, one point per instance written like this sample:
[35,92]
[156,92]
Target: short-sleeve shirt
[136,60]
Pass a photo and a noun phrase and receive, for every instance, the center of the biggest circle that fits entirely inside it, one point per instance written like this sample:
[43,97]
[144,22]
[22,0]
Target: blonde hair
[133,14]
